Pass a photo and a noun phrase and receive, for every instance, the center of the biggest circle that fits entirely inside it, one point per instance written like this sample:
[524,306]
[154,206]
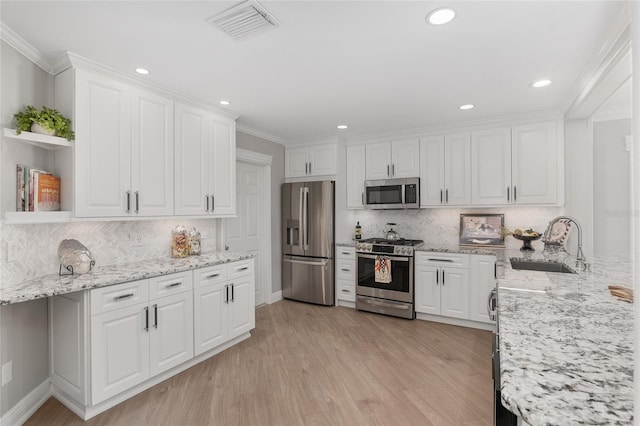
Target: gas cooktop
[384,246]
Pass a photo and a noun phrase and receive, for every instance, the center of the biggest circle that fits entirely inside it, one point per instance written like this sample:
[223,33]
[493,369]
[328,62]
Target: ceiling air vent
[244,20]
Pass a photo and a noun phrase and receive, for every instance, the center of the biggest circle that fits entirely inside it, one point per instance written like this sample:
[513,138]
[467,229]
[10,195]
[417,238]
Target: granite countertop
[566,344]
[102,276]
[497,251]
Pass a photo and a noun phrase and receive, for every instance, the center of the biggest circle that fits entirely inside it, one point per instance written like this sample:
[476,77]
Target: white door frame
[265,271]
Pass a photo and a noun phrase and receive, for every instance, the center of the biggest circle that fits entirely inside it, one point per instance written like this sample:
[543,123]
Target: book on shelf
[46,192]
[37,190]
[19,188]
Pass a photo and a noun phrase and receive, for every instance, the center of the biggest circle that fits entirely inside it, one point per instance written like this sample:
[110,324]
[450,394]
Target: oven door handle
[374,256]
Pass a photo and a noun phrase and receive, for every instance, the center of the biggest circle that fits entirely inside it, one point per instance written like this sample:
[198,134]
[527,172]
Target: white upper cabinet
[491,166]
[103,146]
[397,159]
[152,154]
[319,160]
[445,170]
[204,163]
[124,153]
[517,165]
[534,173]
[355,176]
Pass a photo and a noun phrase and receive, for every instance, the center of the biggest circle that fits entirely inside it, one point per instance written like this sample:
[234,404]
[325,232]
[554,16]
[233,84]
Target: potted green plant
[47,121]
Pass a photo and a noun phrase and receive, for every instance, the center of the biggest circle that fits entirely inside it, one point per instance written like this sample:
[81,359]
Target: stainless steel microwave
[392,194]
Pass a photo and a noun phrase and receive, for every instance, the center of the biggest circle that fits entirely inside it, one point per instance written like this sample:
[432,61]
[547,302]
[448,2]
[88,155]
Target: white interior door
[245,232]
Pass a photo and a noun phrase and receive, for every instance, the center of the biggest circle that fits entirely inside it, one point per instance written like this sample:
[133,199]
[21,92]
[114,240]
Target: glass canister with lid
[179,242]
[195,247]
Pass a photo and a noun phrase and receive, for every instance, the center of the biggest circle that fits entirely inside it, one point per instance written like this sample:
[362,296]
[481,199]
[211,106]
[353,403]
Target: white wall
[612,192]
[256,144]
[23,327]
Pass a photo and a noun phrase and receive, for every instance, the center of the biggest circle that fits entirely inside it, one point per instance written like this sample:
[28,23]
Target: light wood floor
[313,365]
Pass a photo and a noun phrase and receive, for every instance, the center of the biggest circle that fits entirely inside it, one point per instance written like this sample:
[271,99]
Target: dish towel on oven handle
[383,270]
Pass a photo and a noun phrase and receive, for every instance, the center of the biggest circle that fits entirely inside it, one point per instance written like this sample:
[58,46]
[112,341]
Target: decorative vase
[36,128]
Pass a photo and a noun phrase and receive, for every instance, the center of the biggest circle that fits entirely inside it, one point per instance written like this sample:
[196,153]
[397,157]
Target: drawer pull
[242,269]
[440,260]
[174,285]
[213,275]
[346,291]
[346,253]
[123,296]
[346,270]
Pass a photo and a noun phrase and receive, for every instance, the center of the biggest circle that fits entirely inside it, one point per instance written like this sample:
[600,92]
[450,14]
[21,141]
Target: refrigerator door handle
[301,219]
[322,262]
[305,216]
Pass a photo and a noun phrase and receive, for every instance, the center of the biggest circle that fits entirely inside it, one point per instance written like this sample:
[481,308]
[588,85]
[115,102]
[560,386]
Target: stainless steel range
[385,276]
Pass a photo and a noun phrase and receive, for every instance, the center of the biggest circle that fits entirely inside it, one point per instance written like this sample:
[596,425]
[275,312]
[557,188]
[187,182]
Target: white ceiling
[374,65]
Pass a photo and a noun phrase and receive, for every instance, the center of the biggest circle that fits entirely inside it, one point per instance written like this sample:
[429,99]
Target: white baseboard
[20,413]
[346,304]
[275,297]
[456,321]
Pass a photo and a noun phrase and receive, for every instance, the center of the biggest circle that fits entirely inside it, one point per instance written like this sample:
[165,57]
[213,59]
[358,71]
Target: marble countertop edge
[103,276]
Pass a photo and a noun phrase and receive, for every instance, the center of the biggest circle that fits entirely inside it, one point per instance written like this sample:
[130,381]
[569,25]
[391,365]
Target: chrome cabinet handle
[233,297]
[137,201]
[309,167]
[146,321]
[446,196]
[206,199]
[388,171]
[242,269]
[508,193]
[213,275]
[362,196]
[440,260]
[393,170]
[213,203]
[345,291]
[346,270]
[226,288]
[515,193]
[443,277]
[128,201]
[123,296]
[437,276]
[174,285]
[155,316]
[441,199]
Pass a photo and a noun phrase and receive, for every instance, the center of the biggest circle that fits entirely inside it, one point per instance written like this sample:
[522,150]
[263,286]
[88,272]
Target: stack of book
[37,190]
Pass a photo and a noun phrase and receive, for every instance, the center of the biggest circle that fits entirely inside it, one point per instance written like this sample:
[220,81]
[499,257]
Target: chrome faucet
[580,257]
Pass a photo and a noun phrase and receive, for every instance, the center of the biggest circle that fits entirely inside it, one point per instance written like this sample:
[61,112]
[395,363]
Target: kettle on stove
[391,234]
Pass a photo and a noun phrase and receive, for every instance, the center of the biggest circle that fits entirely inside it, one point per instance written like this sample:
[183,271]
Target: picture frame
[482,229]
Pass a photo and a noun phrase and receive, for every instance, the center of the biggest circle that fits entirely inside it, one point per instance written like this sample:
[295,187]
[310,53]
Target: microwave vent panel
[244,20]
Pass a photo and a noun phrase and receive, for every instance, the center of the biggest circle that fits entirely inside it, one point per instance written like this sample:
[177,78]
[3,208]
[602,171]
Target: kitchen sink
[540,265]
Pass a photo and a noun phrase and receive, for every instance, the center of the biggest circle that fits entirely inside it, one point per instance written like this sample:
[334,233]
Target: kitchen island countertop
[102,276]
[566,344]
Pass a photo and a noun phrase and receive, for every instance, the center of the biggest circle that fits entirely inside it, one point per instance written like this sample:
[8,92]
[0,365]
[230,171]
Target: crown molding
[253,157]
[70,59]
[23,47]
[607,67]
[260,134]
[509,120]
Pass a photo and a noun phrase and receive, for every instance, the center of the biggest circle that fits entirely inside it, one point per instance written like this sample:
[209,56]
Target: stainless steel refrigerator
[307,241]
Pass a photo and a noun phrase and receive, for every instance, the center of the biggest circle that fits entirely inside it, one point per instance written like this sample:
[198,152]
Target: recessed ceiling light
[441,16]
[224,102]
[467,106]
[342,126]
[541,83]
[142,71]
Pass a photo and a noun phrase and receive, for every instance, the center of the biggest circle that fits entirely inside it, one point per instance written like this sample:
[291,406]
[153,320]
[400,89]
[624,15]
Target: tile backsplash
[109,243]
[442,226]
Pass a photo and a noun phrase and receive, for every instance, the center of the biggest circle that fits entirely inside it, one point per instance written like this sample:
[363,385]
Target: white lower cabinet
[110,343]
[454,285]
[483,280]
[224,303]
[442,284]
[130,343]
[346,274]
